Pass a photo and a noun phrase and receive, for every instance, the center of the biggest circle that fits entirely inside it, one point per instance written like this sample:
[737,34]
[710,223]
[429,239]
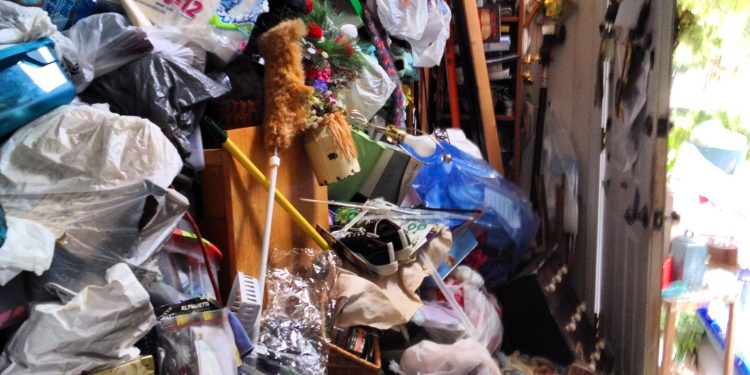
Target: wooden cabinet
[234,204]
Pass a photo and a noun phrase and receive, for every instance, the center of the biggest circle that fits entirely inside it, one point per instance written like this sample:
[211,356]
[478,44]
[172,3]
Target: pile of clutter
[103,269]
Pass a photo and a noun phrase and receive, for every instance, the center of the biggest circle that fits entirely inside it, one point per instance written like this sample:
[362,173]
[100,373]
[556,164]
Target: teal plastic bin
[32,83]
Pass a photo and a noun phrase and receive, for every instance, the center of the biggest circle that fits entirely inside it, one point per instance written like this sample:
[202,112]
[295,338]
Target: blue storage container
[32,83]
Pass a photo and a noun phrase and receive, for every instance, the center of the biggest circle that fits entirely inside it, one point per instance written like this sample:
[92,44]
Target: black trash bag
[168,93]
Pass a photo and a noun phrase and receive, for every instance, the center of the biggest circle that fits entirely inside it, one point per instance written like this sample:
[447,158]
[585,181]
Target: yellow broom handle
[280,198]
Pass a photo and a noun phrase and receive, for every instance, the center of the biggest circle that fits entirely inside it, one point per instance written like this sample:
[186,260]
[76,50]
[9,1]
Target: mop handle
[305,225]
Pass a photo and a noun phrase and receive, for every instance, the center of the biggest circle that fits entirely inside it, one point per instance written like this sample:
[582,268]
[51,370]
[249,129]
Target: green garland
[342,54]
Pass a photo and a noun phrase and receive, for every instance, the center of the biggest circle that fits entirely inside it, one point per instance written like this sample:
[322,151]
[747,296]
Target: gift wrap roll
[330,161]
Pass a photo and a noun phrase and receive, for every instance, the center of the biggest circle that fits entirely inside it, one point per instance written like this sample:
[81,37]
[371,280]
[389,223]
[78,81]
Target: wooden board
[479,64]
[234,205]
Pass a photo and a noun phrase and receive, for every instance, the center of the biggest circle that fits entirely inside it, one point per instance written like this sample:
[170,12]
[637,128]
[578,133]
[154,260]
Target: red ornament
[349,49]
[309,7]
[314,31]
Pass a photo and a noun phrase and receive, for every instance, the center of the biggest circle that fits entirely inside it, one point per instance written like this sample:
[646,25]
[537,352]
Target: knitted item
[386,61]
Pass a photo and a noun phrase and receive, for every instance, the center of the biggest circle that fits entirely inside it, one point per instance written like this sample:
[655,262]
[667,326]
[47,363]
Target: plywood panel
[235,204]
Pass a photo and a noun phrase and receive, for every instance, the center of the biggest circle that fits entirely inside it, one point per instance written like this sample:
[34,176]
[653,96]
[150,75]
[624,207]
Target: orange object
[450,72]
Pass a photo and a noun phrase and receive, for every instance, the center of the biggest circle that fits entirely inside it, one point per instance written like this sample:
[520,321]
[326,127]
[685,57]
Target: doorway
[708,172]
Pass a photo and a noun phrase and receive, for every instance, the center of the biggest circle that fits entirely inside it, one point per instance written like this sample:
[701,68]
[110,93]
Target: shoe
[389,232]
[368,253]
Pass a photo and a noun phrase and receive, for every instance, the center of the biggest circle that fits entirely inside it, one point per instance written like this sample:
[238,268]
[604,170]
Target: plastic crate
[245,301]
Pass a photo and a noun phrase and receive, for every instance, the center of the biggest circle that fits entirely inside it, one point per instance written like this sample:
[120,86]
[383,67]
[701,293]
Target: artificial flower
[314,31]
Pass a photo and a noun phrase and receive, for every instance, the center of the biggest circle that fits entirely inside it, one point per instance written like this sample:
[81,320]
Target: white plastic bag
[427,50]
[463,357]
[84,149]
[98,181]
[95,330]
[482,309]
[28,247]
[19,24]
[100,44]
[372,88]
[403,19]
[221,27]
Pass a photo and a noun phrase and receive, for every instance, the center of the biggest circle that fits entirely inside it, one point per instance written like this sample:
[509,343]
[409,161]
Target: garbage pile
[105,109]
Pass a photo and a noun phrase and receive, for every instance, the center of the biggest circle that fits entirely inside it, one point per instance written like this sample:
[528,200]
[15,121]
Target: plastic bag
[169,93]
[100,44]
[28,247]
[560,160]
[403,19]
[171,43]
[509,223]
[463,357]
[62,152]
[103,210]
[428,49]
[197,343]
[95,330]
[372,88]
[482,309]
[298,312]
[222,27]
[19,24]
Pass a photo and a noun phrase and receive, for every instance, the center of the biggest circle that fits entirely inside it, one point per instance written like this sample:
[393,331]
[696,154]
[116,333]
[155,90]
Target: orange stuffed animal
[286,96]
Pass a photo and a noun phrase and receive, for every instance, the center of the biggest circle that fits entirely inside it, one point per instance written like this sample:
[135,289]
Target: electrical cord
[211,275]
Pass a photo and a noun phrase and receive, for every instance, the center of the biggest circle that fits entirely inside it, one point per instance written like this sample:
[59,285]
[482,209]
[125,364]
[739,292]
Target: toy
[286,96]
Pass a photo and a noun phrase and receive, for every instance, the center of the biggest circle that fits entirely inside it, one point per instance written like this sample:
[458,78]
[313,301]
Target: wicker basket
[341,362]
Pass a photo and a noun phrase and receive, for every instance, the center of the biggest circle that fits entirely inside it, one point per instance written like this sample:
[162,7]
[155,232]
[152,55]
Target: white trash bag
[369,92]
[403,19]
[428,49]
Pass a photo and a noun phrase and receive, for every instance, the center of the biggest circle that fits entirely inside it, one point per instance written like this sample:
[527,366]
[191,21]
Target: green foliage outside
[714,40]
[688,335]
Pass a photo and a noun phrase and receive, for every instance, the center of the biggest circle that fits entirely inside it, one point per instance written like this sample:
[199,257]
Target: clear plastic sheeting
[19,24]
[169,93]
[298,312]
[95,330]
[98,182]
[560,166]
[100,44]
[28,247]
